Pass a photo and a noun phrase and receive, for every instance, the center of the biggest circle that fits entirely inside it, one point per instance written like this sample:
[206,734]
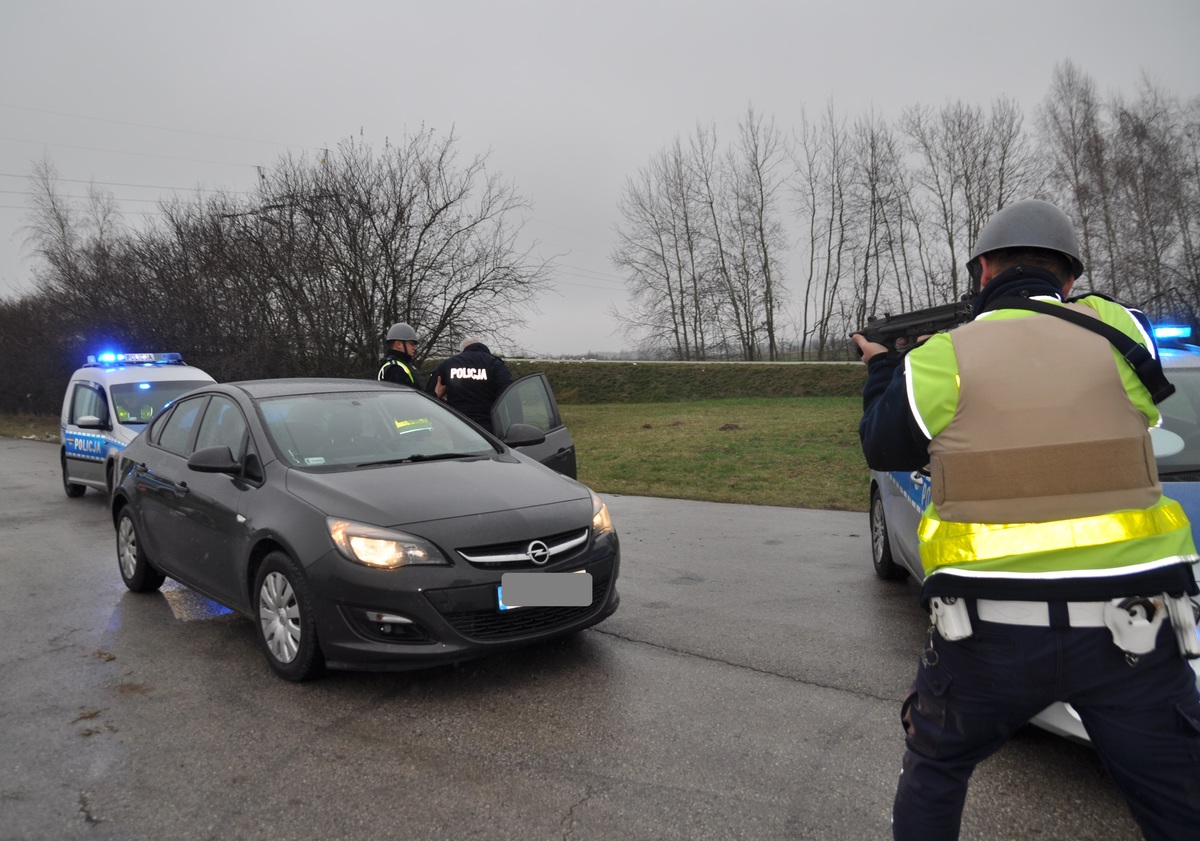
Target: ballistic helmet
[401,332]
[1031,223]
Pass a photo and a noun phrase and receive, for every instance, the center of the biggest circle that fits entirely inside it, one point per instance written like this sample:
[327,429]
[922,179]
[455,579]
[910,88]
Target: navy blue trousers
[970,696]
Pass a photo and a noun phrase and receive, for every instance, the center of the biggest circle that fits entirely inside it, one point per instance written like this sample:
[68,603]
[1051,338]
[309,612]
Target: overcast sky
[569,98]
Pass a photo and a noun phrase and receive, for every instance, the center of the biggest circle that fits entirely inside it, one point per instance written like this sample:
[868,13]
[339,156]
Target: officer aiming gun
[900,333]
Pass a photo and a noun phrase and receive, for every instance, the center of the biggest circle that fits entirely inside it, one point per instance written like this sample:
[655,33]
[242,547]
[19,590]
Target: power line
[80,198]
[27,209]
[156,128]
[139,186]
[121,152]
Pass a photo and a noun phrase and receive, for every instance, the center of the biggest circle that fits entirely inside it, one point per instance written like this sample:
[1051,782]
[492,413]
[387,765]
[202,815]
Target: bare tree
[661,247]
[305,276]
[761,173]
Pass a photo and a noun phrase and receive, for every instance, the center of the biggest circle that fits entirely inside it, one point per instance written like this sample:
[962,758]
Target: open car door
[530,400]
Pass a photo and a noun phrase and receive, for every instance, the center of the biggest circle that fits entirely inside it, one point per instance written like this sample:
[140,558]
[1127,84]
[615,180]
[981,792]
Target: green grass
[24,426]
[799,452]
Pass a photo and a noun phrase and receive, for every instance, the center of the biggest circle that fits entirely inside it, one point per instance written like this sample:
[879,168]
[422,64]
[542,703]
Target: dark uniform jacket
[473,379]
[398,367]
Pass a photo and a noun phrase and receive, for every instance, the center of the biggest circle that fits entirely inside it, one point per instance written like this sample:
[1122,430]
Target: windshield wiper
[418,457]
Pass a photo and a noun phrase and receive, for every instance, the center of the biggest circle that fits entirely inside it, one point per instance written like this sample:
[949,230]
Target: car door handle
[182,489]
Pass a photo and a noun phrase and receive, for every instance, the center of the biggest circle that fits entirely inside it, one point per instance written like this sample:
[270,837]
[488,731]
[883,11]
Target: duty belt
[1037,614]
[1134,621]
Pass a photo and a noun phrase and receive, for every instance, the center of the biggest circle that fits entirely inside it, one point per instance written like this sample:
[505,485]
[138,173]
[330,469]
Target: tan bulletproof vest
[1044,429]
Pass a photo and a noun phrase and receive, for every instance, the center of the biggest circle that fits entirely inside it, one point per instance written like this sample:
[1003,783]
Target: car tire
[137,572]
[881,548]
[73,490]
[286,626]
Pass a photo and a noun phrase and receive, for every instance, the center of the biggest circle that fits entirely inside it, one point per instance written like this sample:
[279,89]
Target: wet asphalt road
[748,688]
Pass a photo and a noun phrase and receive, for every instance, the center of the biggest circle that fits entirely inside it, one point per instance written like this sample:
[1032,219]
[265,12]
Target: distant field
[797,452]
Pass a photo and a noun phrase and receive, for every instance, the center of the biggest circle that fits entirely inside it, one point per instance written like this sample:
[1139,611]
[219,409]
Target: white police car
[108,402]
[898,498]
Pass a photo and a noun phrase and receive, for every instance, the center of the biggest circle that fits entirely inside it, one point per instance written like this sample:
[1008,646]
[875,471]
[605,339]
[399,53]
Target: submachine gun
[901,332]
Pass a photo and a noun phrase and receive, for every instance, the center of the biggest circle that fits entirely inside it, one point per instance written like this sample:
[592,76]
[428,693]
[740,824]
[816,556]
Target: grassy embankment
[725,432]
[763,434]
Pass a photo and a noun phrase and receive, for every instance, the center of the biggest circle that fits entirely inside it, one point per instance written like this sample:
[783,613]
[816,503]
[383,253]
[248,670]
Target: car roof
[1179,356]
[282,387]
[111,374]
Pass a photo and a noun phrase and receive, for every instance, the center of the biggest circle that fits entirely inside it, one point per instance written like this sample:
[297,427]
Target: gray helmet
[1031,223]
[402,332]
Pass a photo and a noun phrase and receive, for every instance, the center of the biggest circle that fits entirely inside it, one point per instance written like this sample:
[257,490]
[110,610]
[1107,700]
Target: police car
[898,498]
[108,402]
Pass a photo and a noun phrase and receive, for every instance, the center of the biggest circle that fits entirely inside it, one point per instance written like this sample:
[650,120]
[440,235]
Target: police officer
[1056,570]
[398,366]
[471,380]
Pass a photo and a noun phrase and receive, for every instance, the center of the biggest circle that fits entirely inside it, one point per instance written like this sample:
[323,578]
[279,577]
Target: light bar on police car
[113,358]
[1173,331]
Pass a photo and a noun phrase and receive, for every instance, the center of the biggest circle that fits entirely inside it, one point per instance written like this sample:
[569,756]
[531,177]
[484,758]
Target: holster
[1183,619]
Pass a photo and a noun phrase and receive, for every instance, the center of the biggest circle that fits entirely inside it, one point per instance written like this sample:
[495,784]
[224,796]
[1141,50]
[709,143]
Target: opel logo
[539,553]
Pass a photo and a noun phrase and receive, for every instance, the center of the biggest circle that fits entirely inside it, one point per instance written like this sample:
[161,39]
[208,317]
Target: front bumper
[449,613]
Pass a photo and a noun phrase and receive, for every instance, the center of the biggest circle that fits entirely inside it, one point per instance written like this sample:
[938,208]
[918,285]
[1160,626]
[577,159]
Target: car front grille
[495,624]
[516,555]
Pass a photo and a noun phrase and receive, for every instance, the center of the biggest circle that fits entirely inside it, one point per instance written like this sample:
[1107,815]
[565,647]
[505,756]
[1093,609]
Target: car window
[223,424]
[1181,415]
[141,402]
[177,430]
[529,401]
[88,400]
[331,430]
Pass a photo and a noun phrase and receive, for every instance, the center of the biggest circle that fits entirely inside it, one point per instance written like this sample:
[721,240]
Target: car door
[212,527]
[905,495]
[157,472]
[84,448]
[191,518]
[530,400]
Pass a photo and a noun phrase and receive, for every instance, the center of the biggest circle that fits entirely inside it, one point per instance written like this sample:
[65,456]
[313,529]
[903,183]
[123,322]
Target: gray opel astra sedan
[362,525]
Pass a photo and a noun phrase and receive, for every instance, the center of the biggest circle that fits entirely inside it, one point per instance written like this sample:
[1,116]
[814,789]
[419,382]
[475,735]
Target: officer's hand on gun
[868,349]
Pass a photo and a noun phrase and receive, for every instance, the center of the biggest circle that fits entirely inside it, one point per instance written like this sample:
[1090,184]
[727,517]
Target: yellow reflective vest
[1040,457]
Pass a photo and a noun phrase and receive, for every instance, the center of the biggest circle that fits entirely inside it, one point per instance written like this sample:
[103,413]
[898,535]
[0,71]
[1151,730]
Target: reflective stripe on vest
[383,368]
[1160,535]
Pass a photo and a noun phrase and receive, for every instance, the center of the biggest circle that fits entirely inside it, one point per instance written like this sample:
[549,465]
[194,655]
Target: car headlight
[381,548]
[601,521]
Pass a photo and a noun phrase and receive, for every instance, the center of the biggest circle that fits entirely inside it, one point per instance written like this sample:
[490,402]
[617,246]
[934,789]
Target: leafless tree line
[300,278]
[780,244]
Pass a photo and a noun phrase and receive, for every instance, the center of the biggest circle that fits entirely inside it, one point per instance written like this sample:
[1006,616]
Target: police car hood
[397,495]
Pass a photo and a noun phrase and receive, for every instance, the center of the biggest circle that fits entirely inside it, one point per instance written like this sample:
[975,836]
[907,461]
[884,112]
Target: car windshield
[1181,415]
[139,403]
[366,428]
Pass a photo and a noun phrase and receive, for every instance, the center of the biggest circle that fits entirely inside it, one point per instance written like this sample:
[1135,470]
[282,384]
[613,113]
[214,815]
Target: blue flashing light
[144,386]
[109,357]
[1173,331]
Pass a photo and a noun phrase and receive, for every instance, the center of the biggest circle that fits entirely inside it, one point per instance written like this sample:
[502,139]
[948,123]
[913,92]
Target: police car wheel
[287,627]
[73,490]
[136,570]
[881,549]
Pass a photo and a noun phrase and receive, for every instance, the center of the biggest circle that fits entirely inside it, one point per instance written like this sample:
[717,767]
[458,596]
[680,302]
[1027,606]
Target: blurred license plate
[544,589]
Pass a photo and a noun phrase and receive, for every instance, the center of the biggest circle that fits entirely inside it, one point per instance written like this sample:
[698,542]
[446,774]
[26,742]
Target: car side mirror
[91,422]
[217,459]
[523,435]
